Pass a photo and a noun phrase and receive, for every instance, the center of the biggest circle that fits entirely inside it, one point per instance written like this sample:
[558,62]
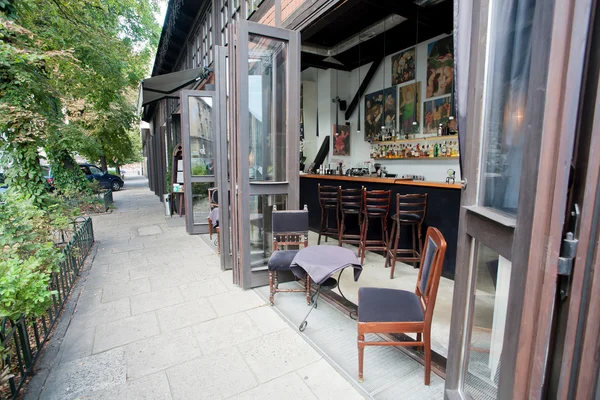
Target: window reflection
[261,229]
[505,102]
[267,71]
[201,137]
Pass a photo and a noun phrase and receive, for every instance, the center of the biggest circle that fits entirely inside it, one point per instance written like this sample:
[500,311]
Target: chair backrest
[328,195]
[411,207]
[432,260]
[213,197]
[350,199]
[290,227]
[377,201]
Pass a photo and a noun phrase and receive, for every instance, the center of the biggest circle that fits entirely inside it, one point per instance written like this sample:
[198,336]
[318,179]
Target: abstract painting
[436,112]
[440,67]
[409,109]
[403,66]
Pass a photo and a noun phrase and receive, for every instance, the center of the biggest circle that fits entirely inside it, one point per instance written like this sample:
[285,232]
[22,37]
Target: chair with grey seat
[290,229]
[390,311]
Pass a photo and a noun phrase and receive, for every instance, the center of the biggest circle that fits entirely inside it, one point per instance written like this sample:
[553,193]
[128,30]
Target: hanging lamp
[383,82]
[416,85]
[359,83]
[317,102]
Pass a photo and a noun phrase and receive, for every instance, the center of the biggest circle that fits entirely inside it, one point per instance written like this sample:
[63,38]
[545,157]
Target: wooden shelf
[424,138]
[418,158]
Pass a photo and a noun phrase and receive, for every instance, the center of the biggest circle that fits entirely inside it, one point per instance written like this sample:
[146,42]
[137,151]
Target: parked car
[104,179]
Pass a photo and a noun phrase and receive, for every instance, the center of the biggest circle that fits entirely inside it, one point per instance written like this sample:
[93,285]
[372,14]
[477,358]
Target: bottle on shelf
[436,150]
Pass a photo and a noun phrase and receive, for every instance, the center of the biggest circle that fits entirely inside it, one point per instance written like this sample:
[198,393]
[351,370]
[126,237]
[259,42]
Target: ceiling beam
[363,87]
[333,14]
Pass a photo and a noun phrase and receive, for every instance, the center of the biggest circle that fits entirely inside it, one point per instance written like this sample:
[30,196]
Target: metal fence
[108,199]
[25,337]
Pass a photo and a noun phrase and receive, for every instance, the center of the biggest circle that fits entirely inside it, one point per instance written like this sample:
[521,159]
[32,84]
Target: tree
[66,69]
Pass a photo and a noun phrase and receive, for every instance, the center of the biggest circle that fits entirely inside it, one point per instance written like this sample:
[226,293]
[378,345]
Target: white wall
[434,170]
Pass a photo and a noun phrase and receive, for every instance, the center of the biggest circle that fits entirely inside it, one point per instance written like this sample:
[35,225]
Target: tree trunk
[103,165]
[118,169]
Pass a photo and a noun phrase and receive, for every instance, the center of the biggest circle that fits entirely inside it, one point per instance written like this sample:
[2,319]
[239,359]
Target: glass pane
[261,231]
[201,137]
[267,59]
[200,201]
[492,274]
[504,105]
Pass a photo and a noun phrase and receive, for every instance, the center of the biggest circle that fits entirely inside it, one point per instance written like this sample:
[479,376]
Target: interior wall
[434,170]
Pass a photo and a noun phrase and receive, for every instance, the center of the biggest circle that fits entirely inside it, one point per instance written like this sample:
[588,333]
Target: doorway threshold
[389,373]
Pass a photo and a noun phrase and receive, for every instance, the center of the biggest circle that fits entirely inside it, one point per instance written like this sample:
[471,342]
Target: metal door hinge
[568,252]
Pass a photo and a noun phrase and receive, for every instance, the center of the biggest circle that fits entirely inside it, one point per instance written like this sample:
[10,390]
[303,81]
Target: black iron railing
[23,339]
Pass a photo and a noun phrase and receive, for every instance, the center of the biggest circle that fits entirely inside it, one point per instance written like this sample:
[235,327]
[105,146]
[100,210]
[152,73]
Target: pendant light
[383,82]
[416,85]
[337,97]
[317,101]
[359,83]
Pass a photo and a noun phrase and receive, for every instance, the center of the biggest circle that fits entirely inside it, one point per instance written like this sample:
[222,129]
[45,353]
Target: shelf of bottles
[391,145]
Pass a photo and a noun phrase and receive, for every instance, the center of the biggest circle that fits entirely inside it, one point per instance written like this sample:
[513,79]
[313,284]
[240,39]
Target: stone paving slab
[154,317]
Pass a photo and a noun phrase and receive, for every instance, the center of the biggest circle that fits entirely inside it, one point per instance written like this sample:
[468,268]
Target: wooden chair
[329,202]
[375,205]
[290,228]
[350,201]
[386,311]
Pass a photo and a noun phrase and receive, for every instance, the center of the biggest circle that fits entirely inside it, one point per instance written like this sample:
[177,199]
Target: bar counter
[443,202]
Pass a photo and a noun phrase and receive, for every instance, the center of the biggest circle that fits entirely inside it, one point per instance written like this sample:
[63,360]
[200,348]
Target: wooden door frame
[542,199]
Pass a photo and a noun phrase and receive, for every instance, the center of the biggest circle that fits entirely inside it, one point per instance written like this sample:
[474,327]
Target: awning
[168,86]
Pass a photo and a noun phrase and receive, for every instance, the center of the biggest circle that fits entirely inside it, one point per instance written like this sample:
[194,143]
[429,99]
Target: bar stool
[410,210]
[328,200]
[376,205]
[350,201]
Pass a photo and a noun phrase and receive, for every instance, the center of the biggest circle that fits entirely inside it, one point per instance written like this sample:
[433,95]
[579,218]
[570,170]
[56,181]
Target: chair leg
[307,289]
[341,231]
[364,241]
[388,261]
[360,244]
[420,239]
[271,289]
[321,225]
[414,243]
[395,241]
[361,356]
[427,349]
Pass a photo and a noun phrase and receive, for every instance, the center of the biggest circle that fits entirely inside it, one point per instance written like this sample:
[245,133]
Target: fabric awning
[168,86]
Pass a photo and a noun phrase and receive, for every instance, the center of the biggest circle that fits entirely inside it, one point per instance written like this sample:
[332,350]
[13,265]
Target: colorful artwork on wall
[440,67]
[373,114]
[389,107]
[403,66]
[436,112]
[341,142]
[409,107]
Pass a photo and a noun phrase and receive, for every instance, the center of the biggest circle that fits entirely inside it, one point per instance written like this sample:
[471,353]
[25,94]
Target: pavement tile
[119,333]
[277,354]
[186,314]
[155,300]
[215,376]
[225,332]
[72,379]
[151,387]
[266,319]
[106,312]
[200,289]
[289,386]
[326,383]
[120,290]
[154,354]
[78,343]
[173,278]
[234,302]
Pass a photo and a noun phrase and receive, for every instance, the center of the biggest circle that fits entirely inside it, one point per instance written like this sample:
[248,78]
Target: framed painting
[403,66]
[373,115]
[440,67]
[390,107]
[341,140]
[436,112]
[409,107]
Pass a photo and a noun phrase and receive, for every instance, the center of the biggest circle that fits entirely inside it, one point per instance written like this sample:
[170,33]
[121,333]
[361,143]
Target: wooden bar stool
[350,201]
[328,200]
[376,205]
[410,210]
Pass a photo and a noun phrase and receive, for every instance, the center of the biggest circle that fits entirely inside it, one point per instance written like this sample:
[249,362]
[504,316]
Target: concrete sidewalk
[154,317]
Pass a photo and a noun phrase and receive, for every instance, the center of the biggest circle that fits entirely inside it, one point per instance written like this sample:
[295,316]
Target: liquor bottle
[439,132]
[436,150]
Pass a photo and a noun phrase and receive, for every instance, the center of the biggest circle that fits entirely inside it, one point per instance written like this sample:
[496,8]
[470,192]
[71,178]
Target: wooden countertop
[387,181]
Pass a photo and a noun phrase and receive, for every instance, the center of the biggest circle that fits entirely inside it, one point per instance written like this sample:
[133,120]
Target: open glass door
[520,124]
[264,118]
[199,124]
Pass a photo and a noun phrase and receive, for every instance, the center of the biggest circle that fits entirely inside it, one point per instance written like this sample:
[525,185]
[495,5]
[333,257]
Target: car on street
[104,179]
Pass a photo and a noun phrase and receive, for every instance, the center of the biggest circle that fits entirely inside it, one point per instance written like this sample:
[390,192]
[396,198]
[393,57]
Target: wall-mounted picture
[440,67]
[409,109]
[373,114]
[403,66]
[436,112]
[341,142]
[389,107]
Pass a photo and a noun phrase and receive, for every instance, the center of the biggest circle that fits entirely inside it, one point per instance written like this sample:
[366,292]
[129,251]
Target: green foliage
[28,256]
